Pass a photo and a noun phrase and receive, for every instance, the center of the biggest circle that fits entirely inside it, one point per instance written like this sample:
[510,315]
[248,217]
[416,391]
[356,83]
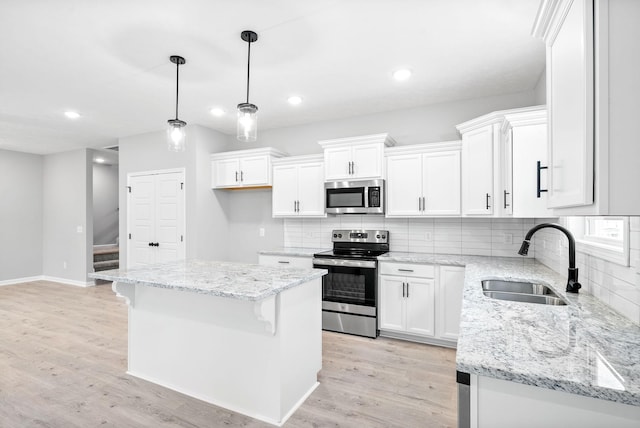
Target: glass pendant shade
[247,122]
[176,135]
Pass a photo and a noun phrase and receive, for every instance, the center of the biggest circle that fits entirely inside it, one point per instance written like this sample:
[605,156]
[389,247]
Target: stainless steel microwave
[354,197]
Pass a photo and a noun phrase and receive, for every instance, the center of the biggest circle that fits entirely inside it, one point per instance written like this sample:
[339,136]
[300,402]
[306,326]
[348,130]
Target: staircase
[105,257]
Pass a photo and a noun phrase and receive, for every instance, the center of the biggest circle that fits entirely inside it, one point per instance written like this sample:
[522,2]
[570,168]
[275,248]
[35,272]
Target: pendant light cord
[177,85]
[248,68]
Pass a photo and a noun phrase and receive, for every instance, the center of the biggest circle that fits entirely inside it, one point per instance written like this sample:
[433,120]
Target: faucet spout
[572,281]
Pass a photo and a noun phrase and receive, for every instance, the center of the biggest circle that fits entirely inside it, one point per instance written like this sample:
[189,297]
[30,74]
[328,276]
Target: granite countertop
[293,251]
[225,279]
[583,348]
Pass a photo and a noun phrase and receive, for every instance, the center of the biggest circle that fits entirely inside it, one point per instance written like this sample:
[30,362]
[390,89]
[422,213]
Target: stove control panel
[368,236]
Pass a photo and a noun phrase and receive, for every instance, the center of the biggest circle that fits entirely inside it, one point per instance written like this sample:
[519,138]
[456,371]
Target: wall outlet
[308,235]
[261,232]
[507,238]
[79,229]
[428,236]
[64,265]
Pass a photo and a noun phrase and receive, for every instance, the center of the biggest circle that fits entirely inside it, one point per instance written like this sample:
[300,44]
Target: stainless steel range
[350,290]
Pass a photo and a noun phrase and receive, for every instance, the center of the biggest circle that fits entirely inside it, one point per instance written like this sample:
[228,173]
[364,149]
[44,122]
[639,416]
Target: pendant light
[176,136]
[247,112]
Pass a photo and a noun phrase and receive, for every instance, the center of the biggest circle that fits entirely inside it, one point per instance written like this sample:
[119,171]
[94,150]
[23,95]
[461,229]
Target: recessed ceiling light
[402,74]
[72,114]
[294,100]
[99,160]
[217,111]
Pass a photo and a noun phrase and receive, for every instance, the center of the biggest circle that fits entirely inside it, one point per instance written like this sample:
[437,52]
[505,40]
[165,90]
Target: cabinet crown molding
[493,118]
[549,17]
[249,152]
[364,139]
[532,117]
[424,148]
[288,160]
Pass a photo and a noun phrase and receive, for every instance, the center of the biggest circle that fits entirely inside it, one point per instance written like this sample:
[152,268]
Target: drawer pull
[283,262]
[405,270]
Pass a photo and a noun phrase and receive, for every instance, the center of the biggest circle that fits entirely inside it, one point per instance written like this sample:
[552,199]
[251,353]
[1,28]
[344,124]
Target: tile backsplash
[616,285]
[468,236]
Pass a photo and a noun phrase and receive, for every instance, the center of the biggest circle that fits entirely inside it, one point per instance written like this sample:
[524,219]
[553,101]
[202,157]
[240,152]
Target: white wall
[105,204]
[615,285]
[206,222]
[20,215]
[431,123]
[540,91]
[67,219]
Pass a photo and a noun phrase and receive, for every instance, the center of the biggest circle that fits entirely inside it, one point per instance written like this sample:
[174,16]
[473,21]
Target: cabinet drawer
[286,261]
[407,269]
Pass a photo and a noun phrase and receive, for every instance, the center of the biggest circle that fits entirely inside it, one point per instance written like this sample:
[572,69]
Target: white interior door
[141,221]
[169,209]
[156,220]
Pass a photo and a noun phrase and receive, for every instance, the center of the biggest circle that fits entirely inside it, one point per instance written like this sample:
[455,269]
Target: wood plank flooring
[63,357]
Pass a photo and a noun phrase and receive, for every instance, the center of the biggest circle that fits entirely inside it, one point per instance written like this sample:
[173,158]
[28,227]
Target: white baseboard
[69,281]
[21,280]
[48,278]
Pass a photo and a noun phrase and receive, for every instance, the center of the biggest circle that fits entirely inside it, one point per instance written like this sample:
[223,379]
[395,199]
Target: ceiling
[109,61]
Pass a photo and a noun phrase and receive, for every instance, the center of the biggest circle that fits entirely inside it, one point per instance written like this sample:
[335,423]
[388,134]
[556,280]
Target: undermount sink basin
[519,291]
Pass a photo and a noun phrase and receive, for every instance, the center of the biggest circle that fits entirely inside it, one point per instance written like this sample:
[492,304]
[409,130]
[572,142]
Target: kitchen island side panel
[259,358]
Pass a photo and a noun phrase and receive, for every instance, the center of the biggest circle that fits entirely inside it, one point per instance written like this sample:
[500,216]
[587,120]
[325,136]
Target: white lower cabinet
[305,262]
[420,302]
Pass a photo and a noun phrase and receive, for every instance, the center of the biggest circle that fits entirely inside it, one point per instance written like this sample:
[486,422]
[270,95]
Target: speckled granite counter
[226,333]
[293,251]
[225,279]
[584,348]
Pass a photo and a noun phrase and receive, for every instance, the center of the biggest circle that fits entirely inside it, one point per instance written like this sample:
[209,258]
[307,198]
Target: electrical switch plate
[79,229]
[428,237]
[261,231]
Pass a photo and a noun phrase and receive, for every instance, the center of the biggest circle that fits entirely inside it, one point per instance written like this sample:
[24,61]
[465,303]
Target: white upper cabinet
[243,168]
[298,187]
[525,163]
[592,96]
[478,142]
[423,180]
[355,158]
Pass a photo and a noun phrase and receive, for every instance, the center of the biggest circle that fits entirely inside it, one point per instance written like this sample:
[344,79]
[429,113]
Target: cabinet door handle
[403,289]
[241,176]
[505,199]
[236,176]
[353,167]
[419,203]
[407,290]
[538,169]
[488,196]
[424,203]
[298,206]
[284,262]
[405,270]
[151,244]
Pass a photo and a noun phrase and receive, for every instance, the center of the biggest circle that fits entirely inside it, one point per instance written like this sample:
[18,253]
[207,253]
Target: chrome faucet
[572,282]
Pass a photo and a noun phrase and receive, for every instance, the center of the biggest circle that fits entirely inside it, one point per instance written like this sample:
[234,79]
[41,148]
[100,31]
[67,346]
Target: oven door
[350,286]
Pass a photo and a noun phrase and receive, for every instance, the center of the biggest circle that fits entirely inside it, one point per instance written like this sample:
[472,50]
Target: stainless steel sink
[519,291]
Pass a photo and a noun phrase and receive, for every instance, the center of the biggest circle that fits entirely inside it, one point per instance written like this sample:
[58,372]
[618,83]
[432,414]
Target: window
[603,237]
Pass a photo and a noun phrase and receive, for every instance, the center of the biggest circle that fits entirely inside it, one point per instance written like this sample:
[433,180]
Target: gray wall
[20,215]
[206,223]
[105,204]
[67,200]
[426,124]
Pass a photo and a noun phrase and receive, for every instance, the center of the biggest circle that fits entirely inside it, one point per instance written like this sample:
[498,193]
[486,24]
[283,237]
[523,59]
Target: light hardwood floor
[63,356]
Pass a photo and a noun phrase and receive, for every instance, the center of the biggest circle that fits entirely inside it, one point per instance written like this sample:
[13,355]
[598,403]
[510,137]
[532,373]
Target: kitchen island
[240,336]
